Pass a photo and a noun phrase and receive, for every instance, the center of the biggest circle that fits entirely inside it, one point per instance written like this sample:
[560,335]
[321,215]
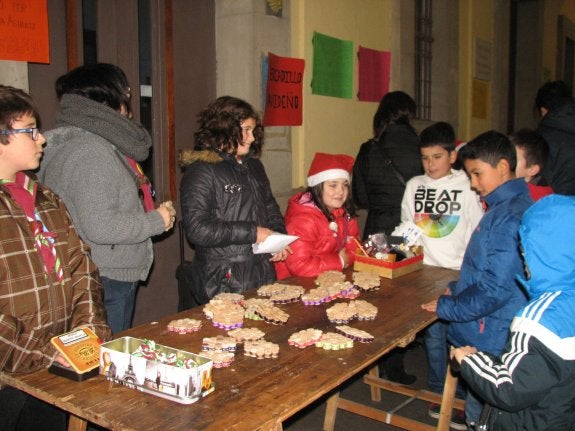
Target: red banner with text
[283,101]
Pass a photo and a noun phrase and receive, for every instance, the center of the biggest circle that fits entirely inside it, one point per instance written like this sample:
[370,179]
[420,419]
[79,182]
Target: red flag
[374,72]
[284,102]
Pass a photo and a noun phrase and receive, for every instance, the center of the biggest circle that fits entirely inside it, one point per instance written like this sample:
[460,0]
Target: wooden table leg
[375,391]
[447,400]
[76,423]
[330,412]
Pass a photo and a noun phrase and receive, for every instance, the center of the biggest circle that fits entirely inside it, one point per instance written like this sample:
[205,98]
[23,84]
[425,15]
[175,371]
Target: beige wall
[332,124]
[245,34]
[14,73]
[476,21]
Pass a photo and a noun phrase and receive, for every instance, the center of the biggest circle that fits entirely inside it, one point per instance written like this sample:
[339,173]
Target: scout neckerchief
[144,184]
[341,231]
[23,191]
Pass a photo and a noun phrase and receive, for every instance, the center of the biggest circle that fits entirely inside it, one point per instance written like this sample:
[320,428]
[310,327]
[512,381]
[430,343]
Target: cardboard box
[183,385]
[387,269]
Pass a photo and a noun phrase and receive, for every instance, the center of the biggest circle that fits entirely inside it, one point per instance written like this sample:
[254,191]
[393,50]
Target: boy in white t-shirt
[442,204]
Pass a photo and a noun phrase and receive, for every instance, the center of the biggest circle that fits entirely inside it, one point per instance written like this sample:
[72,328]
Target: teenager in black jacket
[227,202]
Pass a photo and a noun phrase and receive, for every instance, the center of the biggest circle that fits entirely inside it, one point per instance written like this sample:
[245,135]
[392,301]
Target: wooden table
[252,394]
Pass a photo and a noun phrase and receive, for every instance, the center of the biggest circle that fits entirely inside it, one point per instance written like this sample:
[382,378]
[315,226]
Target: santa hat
[459,144]
[326,167]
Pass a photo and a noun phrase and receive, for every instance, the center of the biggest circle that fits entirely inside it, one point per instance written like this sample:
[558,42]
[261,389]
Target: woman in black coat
[382,167]
[227,203]
[386,162]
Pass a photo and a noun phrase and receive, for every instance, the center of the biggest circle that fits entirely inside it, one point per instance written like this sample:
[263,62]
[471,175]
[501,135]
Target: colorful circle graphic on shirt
[436,225]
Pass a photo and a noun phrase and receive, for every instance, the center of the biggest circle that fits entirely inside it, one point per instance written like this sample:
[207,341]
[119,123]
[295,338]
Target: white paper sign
[410,232]
[274,243]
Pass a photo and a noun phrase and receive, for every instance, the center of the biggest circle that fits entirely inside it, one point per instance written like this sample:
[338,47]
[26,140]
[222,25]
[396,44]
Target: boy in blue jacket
[530,386]
[481,304]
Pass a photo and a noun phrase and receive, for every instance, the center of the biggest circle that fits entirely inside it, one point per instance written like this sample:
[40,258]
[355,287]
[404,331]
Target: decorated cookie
[230,319]
[329,277]
[251,305]
[253,302]
[343,289]
[350,293]
[270,289]
[261,349]
[355,334]
[220,358]
[272,314]
[184,326]
[334,341]
[366,280]
[236,298]
[225,314]
[221,343]
[342,312]
[327,293]
[364,309]
[315,296]
[246,334]
[305,338]
[281,293]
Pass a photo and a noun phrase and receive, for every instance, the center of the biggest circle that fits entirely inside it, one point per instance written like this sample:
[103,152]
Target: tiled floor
[311,419]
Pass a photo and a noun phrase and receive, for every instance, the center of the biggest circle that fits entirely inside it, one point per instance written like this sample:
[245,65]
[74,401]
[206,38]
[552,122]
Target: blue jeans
[119,300]
[436,346]
[435,338]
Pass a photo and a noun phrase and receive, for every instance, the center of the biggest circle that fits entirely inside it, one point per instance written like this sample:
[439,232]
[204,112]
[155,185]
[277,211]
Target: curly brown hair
[220,126]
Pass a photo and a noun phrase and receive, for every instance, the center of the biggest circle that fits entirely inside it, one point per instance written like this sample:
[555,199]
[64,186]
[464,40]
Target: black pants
[22,412]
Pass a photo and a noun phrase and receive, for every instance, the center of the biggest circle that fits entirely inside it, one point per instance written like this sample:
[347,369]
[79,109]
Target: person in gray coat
[91,161]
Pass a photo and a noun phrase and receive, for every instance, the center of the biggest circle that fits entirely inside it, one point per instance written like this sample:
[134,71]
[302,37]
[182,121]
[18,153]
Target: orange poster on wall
[24,31]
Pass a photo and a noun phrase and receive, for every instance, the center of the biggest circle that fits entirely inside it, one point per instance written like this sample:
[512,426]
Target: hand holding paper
[274,243]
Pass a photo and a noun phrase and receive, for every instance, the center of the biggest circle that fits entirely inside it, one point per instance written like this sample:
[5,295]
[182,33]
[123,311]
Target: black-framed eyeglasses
[34,132]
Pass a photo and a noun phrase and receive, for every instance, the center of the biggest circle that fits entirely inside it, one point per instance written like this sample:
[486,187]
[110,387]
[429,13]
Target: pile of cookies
[228,310]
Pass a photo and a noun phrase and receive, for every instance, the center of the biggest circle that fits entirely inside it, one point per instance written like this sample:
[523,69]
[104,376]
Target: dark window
[423,57]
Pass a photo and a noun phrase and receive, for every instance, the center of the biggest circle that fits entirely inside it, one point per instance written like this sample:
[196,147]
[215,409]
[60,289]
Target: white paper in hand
[274,243]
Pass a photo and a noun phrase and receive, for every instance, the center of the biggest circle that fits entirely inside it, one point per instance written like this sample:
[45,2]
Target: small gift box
[386,267]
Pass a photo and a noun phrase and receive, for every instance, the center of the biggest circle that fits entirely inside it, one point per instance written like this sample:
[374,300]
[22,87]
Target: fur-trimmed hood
[187,157]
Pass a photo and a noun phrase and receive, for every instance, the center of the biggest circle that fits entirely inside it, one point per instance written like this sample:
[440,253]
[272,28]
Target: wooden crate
[388,269]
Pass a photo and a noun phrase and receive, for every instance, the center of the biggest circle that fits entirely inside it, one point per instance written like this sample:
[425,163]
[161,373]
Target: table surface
[252,394]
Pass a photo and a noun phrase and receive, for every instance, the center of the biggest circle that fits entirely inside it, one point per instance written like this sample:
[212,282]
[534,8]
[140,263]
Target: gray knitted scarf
[129,137]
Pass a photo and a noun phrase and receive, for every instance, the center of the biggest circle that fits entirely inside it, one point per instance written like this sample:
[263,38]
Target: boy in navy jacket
[481,304]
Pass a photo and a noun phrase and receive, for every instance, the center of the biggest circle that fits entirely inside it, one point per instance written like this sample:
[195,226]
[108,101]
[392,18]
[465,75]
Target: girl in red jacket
[324,219]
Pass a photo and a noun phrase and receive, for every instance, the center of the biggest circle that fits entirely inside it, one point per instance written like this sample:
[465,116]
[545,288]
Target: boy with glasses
[48,283]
